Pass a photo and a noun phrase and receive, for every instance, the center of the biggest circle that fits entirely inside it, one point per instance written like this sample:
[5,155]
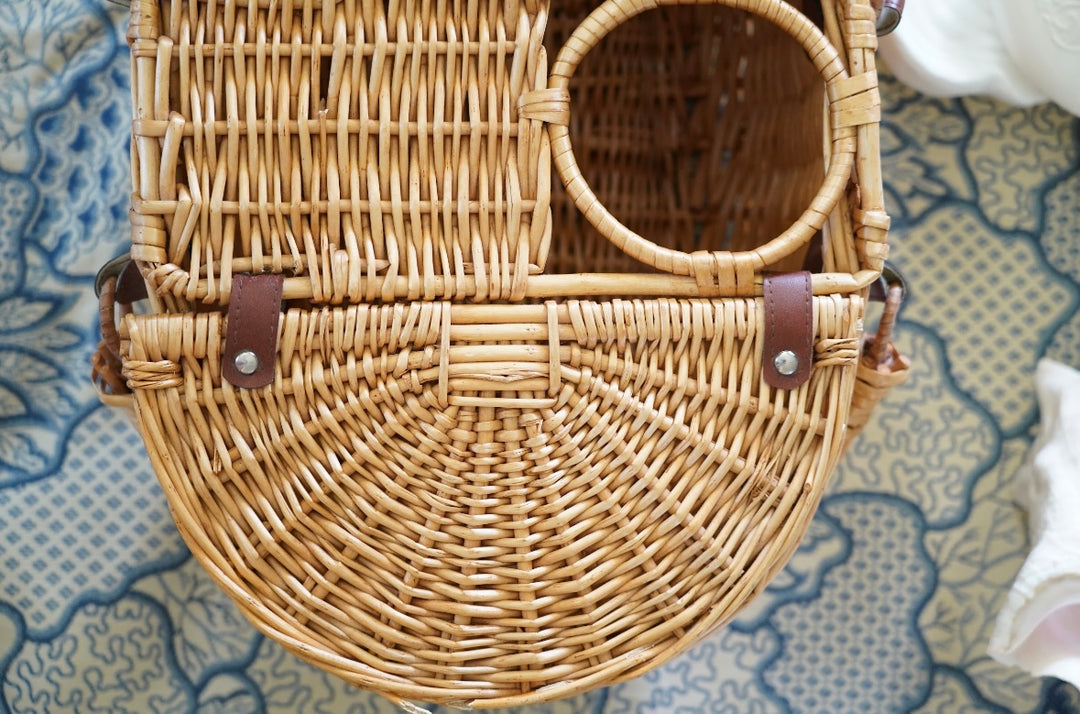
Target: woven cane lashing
[478,477]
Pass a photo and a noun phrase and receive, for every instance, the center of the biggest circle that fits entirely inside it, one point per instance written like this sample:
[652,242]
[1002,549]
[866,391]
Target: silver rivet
[786,363]
[246,362]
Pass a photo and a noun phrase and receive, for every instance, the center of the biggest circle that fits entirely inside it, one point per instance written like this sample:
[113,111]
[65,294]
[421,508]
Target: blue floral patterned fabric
[886,607]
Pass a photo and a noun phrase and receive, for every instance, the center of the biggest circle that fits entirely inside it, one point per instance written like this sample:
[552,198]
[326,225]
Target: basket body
[506,452]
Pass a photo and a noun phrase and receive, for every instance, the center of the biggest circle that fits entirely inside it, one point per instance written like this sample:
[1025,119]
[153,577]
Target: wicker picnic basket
[439,425]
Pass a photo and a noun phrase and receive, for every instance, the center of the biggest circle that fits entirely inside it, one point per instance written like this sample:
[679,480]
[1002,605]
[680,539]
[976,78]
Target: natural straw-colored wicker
[506,456]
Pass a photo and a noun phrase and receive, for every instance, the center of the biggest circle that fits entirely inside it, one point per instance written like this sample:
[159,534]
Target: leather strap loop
[789,330]
[251,338]
[130,286]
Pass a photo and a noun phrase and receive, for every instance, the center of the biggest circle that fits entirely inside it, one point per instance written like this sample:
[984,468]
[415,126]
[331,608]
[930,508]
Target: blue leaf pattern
[885,607]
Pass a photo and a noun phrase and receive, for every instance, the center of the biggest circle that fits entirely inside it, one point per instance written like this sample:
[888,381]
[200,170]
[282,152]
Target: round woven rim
[614,13]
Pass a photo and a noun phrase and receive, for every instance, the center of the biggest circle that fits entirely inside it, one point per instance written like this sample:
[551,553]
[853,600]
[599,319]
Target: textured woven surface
[370,141]
[494,546]
[402,152]
[489,504]
[915,544]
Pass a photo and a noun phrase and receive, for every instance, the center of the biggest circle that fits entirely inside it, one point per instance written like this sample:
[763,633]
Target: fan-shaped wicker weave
[514,441]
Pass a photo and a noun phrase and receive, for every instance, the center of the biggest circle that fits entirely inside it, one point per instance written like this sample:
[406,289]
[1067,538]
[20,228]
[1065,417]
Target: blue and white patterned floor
[887,607]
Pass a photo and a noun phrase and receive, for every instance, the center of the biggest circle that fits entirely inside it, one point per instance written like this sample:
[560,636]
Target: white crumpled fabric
[1021,51]
[1038,629]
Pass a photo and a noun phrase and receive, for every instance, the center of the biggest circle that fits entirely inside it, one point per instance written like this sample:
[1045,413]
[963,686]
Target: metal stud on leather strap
[247,362]
[786,363]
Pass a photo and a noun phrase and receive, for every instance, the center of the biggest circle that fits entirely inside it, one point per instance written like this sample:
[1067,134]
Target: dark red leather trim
[130,286]
[254,314]
[789,327]
[889,14]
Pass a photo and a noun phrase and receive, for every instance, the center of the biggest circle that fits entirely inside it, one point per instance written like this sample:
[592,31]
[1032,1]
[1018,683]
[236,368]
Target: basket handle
[118,283]
[853,101]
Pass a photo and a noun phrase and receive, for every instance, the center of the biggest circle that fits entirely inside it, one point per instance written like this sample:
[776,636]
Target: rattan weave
[517,443]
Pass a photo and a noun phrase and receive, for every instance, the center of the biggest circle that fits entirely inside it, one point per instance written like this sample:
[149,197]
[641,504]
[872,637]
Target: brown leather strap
[252,332]
[789,330]
[130,286]
[813,11]
[814,258]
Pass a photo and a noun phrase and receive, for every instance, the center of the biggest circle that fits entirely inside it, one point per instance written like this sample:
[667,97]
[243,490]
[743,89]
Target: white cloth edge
[1038,627]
